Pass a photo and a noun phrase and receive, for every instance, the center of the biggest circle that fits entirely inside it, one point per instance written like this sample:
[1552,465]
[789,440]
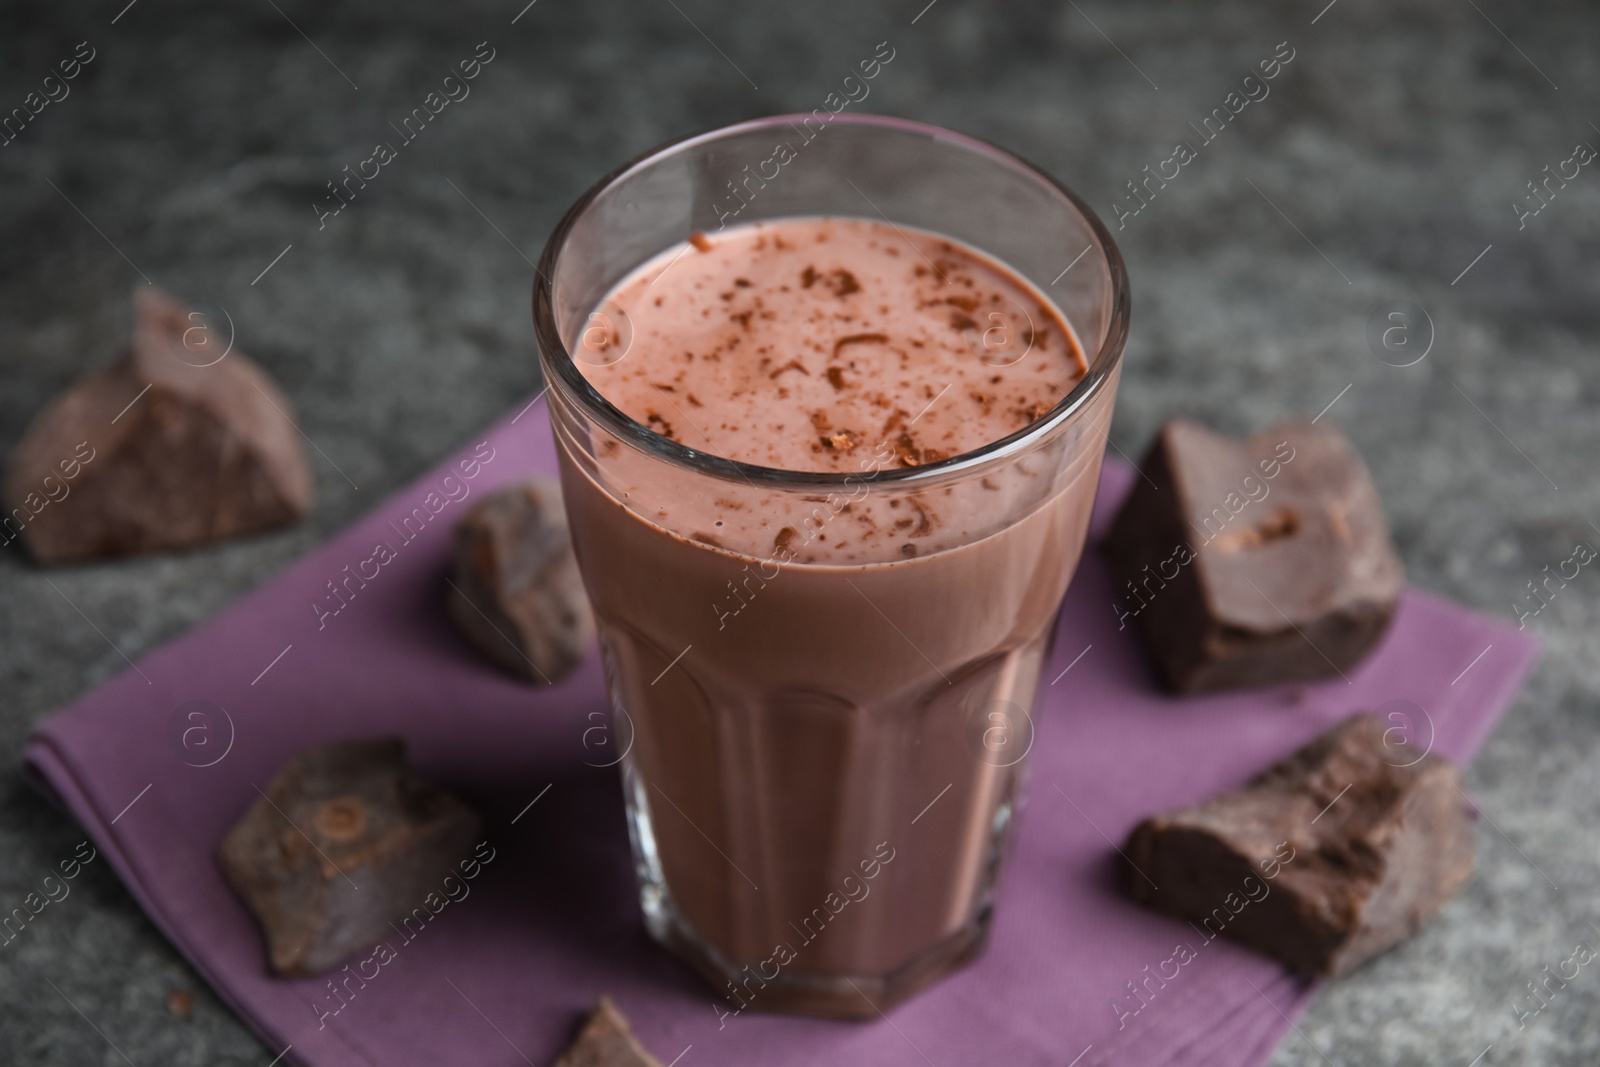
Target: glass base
[792,992]
[830,996]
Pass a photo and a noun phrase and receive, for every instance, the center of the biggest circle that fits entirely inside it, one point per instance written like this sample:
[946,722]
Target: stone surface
[1328,857]
[606,1041]
[200,136]
[345,841]
[1255,561]
[517,594]
[180,442]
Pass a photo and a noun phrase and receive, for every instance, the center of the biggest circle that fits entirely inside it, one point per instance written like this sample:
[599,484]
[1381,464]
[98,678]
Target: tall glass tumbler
[821,781]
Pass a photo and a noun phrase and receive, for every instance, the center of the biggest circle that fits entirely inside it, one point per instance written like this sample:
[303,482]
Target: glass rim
[553,349]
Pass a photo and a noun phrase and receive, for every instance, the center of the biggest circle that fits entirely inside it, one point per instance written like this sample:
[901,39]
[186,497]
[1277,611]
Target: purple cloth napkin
[501,975]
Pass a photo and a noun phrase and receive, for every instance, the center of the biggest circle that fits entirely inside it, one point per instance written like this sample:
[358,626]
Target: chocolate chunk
[1321,861]
[346,840]
[1257,561]
[172,446]
[606,1041]
[180,1002]
[517,593]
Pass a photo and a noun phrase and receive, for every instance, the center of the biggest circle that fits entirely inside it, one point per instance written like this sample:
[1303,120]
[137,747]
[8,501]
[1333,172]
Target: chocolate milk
[828,686]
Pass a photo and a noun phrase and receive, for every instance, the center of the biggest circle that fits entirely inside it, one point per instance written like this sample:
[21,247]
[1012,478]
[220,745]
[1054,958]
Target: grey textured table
[1385,162]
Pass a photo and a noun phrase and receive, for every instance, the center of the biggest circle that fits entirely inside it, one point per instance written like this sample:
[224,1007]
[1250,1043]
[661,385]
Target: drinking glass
[826,760]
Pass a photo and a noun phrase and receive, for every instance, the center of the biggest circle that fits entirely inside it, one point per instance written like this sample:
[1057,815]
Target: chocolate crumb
[698,239]
[836,377]
[859,339]
[924,524]
[180,1002]
[653,420]
[839,442]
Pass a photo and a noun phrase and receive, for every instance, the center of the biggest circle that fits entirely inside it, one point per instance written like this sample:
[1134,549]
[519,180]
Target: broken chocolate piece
[517,593]
[346,840]
[179,443]
[606,1040]
[1257,561]
[1323,860]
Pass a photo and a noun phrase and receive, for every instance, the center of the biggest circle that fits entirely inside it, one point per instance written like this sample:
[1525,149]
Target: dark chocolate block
[346,840]
[517,594]
[606,1041]
[162,450]
[1257,561]
[1321,861]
